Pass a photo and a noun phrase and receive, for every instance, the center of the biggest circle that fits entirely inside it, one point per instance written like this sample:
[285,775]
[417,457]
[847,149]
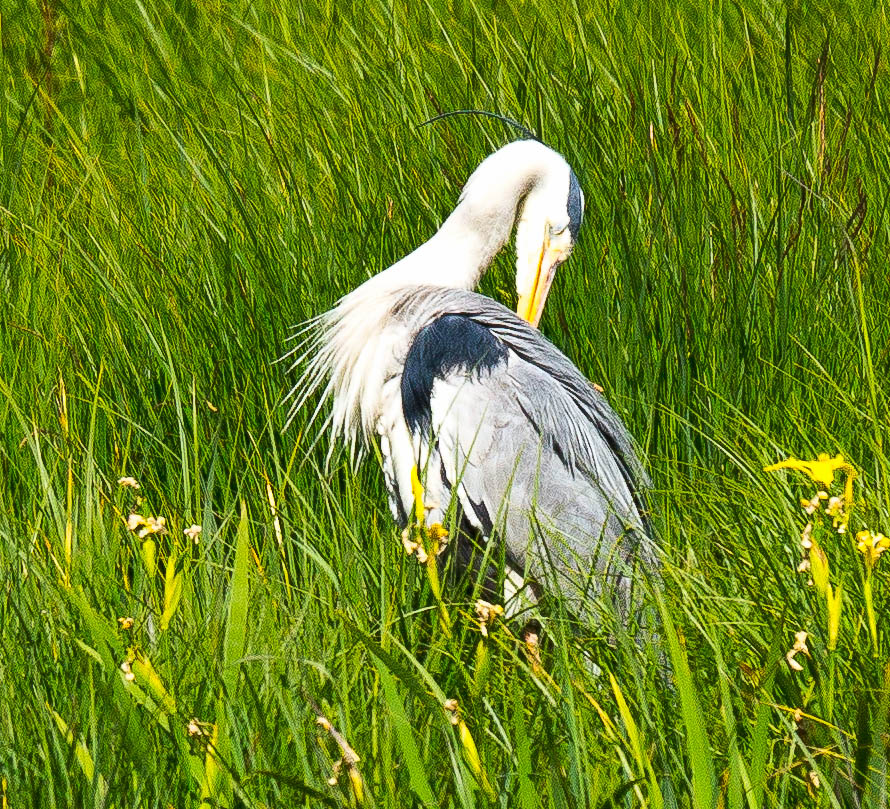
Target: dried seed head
[799,647]
[335,772]
[486,613]
[806,538]
[408,541]
[145,526]
[835,506]
[810,506]
[128,672]
[193,532]
[450,705]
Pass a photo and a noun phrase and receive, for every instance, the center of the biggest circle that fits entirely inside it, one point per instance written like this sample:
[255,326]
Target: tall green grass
[181,182]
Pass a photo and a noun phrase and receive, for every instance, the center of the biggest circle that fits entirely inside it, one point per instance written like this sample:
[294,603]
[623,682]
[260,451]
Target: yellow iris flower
[871,546]
[822,470]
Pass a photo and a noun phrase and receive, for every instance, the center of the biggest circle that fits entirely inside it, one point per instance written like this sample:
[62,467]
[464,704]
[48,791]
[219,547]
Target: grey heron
[473,401]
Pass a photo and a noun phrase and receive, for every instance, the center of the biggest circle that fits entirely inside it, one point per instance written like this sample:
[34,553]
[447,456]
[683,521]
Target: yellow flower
[821,471]
[126,623]
[438,537]
[438,532]
[412,534]
[871,546]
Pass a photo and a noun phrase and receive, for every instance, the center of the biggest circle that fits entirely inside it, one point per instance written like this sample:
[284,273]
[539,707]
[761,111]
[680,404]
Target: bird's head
[547,227]
[526,184]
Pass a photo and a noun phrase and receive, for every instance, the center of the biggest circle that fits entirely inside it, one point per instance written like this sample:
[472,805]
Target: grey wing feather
[514,442]
[532,346]
[596,416]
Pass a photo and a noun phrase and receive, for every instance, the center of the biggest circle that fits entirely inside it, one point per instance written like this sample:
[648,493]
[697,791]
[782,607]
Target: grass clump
[180,183]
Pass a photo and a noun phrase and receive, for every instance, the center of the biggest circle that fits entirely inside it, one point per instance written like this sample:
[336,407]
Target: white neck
[462,249]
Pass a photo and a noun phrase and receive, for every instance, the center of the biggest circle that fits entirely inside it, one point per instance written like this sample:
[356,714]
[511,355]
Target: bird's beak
[531,303]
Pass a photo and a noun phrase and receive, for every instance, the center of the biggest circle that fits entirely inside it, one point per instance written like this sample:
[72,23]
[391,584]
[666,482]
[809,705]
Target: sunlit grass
[181,183]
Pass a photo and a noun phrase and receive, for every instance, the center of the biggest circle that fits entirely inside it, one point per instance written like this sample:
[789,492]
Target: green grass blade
[701,759]
[239,594]
[417,769]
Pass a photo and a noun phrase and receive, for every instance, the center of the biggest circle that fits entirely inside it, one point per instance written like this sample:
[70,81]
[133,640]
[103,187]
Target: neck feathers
[460,252]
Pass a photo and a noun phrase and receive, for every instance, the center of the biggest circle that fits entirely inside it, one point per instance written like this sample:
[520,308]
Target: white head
[538,191]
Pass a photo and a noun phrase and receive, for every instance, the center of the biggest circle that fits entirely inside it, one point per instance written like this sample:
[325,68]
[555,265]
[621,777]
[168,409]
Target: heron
[470,401]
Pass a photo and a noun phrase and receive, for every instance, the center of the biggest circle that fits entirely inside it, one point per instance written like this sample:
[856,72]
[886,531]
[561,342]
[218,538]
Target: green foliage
[182,182]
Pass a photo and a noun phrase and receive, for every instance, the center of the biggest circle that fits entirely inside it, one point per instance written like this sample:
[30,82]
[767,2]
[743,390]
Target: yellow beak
[531,305]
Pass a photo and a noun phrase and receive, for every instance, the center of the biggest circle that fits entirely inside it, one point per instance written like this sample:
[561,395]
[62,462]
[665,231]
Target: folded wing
[499,417]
